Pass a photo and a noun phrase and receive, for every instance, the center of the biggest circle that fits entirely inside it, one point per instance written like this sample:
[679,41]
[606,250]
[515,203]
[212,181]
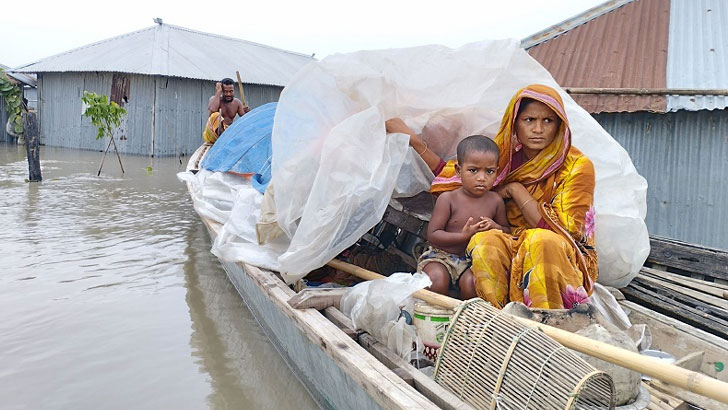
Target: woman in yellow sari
[549,260]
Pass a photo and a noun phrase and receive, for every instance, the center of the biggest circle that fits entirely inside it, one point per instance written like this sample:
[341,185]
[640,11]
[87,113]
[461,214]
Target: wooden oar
[240,86]
[689,380]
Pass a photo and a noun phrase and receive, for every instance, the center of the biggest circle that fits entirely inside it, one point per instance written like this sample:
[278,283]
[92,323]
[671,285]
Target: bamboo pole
[117,153]
[692,381]
[242,92]
[103,157]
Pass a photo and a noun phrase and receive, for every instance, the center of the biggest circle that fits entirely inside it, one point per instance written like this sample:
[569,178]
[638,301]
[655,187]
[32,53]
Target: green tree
[14,101]
[105,116]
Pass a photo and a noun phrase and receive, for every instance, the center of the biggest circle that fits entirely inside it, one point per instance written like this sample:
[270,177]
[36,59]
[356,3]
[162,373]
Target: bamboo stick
[692,381]
[242,92]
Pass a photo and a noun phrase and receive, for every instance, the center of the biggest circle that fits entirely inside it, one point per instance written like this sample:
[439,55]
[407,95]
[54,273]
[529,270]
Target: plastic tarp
[245,147]
[334,168]
[333,162]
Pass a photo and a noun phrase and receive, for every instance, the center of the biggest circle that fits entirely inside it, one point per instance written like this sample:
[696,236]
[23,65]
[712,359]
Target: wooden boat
[343,368]
[320,348]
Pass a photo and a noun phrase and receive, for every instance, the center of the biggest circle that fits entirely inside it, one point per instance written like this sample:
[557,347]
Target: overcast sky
[37,29]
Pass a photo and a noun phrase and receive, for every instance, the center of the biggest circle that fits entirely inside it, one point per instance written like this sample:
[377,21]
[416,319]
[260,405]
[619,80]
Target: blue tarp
[245,147]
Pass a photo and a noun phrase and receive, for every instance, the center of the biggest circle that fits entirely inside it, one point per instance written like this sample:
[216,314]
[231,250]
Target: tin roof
[25,79]
[168,50]
[640,55]
[623,48]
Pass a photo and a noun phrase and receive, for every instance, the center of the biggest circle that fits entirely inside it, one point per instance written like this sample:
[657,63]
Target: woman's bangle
[524,204]
[424,150]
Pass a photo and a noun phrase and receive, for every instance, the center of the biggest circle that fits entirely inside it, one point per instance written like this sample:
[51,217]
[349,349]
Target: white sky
[43,28]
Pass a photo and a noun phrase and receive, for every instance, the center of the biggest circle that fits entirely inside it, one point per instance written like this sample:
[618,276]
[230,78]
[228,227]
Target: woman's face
[536,127]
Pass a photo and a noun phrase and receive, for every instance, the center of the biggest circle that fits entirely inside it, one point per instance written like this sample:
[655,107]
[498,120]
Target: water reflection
[110,297]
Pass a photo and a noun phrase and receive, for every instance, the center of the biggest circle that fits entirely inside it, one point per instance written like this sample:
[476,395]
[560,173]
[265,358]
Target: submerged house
[163,76]
[654,74]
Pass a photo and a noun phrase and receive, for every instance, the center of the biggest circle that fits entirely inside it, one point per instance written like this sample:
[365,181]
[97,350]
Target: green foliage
[104,115]
[14,101]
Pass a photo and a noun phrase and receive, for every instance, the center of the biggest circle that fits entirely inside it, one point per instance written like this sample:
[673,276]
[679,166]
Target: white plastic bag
[374,306]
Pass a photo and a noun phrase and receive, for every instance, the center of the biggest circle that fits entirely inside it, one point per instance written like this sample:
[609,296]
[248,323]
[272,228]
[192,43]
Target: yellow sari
[554,265]
[209,134]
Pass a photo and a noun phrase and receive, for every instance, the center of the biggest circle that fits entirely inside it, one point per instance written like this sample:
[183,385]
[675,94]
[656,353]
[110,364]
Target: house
[654,74]
[163,76]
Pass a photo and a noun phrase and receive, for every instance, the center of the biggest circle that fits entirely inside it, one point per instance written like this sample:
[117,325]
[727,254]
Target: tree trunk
[32,146]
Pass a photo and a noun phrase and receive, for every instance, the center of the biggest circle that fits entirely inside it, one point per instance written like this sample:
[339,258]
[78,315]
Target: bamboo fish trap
[492,361]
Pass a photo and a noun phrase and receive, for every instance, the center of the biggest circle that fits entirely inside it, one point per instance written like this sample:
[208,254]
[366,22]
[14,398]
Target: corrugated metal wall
[684,156]
[174,127]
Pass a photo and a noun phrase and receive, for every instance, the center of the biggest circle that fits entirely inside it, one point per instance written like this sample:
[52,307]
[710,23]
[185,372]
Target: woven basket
[492,361]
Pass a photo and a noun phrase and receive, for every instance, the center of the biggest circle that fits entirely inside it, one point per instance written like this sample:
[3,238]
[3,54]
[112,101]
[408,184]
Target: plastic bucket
[431,323]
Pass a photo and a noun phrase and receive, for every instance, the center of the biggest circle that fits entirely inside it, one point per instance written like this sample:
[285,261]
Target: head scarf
[537,169]
[546,162]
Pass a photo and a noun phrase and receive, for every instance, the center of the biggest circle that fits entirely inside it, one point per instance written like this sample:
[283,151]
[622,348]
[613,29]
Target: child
[461,213]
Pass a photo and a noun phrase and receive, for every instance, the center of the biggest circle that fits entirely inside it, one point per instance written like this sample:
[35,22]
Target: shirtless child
[461,213]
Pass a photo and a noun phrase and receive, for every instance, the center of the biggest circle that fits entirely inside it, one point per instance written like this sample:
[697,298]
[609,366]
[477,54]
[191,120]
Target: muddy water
[110,299]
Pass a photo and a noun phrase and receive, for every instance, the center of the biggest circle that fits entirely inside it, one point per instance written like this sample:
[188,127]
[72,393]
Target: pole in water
[32,146]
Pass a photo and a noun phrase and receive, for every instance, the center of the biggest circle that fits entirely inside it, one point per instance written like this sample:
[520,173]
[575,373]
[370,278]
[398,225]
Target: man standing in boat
[224,104]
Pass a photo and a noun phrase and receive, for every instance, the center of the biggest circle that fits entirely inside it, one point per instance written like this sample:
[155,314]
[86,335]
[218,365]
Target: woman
[549,260]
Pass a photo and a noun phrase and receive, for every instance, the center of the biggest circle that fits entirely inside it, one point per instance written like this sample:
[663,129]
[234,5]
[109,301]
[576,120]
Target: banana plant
[13,101]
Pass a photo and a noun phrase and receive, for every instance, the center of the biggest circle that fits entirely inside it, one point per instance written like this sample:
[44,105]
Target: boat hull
[330,386]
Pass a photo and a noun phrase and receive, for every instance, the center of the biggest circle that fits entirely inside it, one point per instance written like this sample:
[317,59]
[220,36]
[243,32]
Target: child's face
[478,172]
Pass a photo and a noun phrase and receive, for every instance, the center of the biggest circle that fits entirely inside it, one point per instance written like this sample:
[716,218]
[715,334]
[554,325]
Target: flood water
[110,298]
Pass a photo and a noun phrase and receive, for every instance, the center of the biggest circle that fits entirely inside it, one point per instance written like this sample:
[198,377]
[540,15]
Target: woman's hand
[396,125]
[506,191]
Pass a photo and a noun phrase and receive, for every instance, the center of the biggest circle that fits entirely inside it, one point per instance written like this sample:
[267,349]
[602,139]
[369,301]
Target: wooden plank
[687,396]
[715,289]
[689,257]
[425,385]
[681,339]
[665,305]
[663,398]
[693,361]
[718,302]
[341,321]
[688,301]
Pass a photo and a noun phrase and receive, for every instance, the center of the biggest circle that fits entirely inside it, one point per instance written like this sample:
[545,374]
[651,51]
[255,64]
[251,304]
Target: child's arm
[436,233]
[500,216]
